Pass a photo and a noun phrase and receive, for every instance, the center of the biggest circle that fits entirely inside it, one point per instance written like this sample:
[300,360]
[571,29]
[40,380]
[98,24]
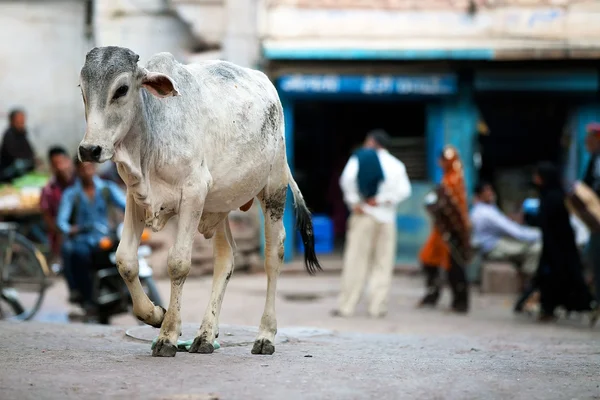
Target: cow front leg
[127,264]
[273,204]
[178,264]
[223,250]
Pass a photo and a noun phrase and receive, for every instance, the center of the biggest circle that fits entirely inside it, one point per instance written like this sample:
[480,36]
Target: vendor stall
[20,203]
[22,195]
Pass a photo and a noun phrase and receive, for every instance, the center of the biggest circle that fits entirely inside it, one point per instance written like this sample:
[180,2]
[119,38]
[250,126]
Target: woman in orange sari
[448,245]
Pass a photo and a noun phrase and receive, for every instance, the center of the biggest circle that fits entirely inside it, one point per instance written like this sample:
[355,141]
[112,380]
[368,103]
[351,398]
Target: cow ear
[160,85]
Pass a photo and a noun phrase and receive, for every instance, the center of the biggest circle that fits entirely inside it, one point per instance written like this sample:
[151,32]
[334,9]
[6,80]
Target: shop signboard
[443,84]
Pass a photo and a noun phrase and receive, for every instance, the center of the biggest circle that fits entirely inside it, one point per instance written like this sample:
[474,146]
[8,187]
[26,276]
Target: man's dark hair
[57,151]
[13,113]
[381,137]
[480,187]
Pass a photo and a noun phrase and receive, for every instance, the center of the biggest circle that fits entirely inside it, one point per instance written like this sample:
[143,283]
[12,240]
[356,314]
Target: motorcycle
[530,208]
[110,293]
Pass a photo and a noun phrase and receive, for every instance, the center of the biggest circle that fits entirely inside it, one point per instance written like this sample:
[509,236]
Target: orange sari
[436,252]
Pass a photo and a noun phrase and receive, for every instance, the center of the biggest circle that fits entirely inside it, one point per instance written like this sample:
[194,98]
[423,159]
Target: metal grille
[412,152]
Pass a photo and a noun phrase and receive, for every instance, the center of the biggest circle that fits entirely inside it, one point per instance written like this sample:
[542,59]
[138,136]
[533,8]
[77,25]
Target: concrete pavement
[306,301]
[411,354]
[55,361]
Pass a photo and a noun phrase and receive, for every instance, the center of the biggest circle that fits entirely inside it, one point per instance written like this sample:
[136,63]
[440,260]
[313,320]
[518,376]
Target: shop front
[504,83]
[328,116]
[533,115]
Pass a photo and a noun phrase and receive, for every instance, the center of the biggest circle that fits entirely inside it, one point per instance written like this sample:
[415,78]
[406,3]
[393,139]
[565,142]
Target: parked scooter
[530,210]
[109,290]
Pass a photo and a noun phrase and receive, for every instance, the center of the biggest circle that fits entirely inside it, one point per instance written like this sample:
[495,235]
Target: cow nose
[90,153]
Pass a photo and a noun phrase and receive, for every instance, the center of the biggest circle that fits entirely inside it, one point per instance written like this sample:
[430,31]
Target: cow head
[110,83]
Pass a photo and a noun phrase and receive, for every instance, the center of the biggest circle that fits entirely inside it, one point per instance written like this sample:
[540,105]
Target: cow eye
[122,91]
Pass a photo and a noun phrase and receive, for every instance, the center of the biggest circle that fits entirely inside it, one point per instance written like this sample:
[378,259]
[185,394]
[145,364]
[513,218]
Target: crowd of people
[76,204]
[546,253]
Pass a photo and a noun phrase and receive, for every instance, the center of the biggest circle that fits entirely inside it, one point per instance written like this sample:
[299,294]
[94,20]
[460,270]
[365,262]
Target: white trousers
[527,254]
[370,253]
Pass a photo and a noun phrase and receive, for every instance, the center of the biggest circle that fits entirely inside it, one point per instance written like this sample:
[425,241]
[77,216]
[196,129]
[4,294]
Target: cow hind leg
[179,264]
[272,200]
[223,250]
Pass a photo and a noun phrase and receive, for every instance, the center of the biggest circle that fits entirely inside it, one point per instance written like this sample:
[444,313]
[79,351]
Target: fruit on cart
[32,179]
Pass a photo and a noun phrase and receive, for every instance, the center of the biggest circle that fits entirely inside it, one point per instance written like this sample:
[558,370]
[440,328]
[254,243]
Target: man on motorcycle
[83,218]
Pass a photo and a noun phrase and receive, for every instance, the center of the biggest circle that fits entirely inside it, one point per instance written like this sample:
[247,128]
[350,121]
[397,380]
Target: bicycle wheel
[23,278]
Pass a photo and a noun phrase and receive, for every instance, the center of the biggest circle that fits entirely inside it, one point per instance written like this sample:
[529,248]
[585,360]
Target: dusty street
[410,354]
[306,301]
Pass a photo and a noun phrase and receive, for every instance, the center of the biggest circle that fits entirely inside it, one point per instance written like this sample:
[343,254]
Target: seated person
[16,154]
[500,238]
[83,219]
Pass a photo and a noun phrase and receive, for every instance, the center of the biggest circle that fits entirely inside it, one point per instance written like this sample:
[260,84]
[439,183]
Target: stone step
[500,278]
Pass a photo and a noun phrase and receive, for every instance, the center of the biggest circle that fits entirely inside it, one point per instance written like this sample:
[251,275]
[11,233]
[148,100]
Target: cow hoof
[164,348]
[263,346]
[201,346]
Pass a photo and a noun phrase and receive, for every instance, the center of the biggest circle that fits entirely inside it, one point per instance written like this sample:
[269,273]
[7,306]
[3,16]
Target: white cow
[197,141]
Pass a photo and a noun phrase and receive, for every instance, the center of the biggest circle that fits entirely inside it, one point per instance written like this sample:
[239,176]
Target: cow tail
[305,226]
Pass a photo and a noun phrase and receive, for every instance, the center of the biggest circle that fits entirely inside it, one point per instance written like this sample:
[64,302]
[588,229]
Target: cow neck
[128,153]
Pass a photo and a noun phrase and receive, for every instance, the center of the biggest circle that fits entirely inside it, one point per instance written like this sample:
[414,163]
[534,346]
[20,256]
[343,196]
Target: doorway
[523,129]
[327,132]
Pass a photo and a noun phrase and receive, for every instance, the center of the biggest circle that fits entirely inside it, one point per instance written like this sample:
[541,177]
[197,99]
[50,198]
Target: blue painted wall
[412,223]
[453,121]
[460,116]
[435,139]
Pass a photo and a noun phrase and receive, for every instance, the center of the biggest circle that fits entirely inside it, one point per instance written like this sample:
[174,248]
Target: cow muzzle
[90,153]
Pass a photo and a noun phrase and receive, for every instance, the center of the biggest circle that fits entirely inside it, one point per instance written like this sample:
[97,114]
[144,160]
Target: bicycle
[24,275]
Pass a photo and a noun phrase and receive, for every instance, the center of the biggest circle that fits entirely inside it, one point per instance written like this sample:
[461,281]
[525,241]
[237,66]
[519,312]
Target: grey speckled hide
[197,141]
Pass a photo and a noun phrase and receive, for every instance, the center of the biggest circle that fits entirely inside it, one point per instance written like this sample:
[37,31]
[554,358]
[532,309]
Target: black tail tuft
[305,226]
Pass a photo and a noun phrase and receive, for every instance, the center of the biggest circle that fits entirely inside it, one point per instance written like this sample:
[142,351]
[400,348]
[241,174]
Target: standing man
[63,176]
[16,155]
[592,179]
[373,182]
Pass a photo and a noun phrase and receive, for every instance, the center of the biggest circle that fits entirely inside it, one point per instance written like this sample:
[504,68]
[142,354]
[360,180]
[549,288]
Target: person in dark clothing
[16,155]
[592,179]
[560,273]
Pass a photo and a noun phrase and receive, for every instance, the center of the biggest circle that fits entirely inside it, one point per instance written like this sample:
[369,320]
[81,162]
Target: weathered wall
[231,25]
[241,43]
[40,63]
[506,26]
[42,48]
[207,18]
[145,26]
